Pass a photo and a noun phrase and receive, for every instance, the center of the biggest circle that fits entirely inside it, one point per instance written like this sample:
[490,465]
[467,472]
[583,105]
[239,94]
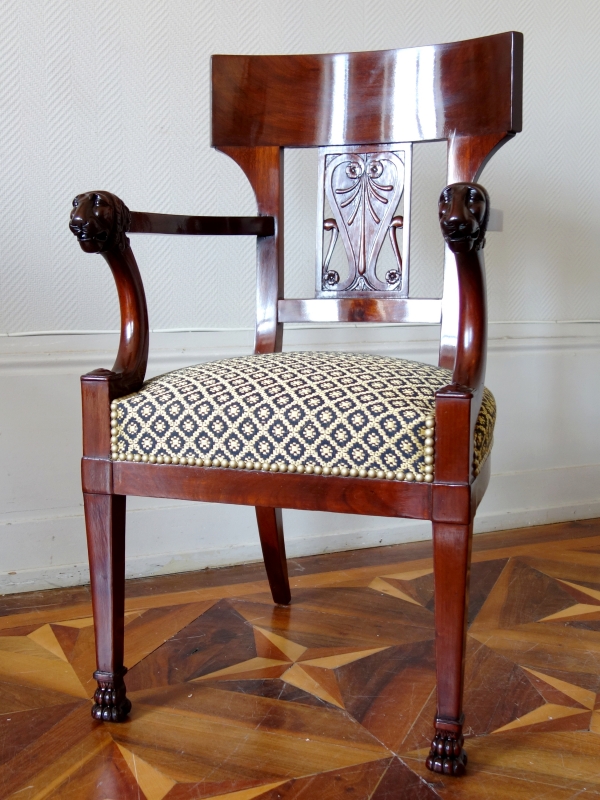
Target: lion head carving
[100,220]
[464,211]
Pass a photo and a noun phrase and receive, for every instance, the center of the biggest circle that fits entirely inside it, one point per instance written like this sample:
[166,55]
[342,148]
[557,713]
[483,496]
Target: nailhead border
[265,466]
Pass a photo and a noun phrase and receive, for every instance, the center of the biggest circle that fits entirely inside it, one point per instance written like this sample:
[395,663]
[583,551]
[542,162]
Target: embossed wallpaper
[115,96]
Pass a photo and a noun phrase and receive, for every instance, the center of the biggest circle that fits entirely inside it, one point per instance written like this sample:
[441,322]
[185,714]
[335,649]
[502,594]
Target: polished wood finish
[298,101]
[105,526]
[464,212]
[451,563]
[263,166]
[270,529]
[142,222]
[132,357]
[243,487]
[468,93]
[100,221]
[412,312]
[331,697]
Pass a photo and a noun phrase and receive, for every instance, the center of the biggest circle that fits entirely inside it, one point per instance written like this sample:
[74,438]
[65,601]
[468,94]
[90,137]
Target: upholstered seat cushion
[344,413]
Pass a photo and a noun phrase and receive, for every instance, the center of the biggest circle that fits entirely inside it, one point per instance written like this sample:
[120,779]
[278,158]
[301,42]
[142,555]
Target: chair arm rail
[144,222]
[464,213]
[100,221]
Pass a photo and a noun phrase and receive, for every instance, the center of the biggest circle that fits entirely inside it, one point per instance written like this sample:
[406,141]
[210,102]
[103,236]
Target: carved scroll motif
[363,190]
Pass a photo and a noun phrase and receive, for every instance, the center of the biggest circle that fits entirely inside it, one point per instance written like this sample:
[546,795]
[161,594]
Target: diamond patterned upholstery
[342,412]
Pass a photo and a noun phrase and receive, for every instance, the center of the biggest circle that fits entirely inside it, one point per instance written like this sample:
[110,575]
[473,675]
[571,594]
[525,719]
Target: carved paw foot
[111,703]
[447,755]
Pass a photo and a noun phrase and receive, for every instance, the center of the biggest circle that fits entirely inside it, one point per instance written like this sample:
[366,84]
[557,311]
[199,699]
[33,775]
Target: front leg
[451,565]
[105,526]
[100,221]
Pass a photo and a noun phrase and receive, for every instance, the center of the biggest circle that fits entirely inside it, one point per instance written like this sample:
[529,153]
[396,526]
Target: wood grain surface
[331,697]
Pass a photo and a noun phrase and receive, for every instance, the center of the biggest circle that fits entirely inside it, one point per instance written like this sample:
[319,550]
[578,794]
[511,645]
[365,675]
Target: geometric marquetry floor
[329,699]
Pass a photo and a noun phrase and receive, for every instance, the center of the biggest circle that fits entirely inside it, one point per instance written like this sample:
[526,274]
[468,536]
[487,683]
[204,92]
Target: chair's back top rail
[364,111]
[468,88]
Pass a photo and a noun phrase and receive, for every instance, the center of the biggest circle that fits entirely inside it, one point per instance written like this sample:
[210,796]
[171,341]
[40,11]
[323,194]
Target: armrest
[100,221]
[142,222]
[464,213]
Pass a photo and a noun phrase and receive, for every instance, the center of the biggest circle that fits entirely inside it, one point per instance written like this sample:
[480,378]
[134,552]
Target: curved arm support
[100,221]
[471,345]
[132,357]
[464,213]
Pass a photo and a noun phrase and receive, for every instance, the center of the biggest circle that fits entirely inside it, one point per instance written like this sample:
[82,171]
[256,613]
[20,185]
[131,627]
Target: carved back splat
[363,186]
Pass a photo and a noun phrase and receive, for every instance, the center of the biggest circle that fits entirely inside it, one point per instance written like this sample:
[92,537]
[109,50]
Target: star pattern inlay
[237,699]
[283,658]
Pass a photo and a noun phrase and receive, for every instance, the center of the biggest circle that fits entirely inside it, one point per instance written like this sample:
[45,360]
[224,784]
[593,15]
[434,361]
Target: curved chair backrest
[364,110]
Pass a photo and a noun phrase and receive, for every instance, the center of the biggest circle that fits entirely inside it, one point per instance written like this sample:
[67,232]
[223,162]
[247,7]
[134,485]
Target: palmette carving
[111,703]
[464,210]
[363,190]
[447,755]
[100,221]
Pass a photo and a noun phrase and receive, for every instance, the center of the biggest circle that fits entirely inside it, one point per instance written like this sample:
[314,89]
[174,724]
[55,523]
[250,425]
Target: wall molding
[78,352]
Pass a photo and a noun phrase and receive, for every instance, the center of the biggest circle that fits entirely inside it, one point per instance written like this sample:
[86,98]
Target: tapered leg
[270,528]
[451,563]
[105,526]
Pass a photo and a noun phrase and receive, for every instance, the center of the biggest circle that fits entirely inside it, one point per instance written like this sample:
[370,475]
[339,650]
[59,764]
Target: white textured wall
[115,95]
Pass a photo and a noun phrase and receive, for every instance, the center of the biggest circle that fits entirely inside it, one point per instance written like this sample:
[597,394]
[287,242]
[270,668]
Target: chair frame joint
[96,476]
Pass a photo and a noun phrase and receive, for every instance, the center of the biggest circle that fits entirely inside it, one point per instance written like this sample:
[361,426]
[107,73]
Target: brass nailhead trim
[266,466]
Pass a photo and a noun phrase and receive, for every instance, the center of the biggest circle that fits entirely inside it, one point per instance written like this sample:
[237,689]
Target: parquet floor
[331,698]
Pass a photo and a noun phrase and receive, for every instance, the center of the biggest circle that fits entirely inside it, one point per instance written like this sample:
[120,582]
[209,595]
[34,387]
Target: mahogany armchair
[322,431]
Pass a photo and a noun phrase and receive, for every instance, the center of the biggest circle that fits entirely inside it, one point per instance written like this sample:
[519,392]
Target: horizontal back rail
[468,88]
[414,311]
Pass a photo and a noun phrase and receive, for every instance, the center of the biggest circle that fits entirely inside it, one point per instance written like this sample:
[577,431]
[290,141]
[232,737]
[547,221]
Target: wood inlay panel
[332,697]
